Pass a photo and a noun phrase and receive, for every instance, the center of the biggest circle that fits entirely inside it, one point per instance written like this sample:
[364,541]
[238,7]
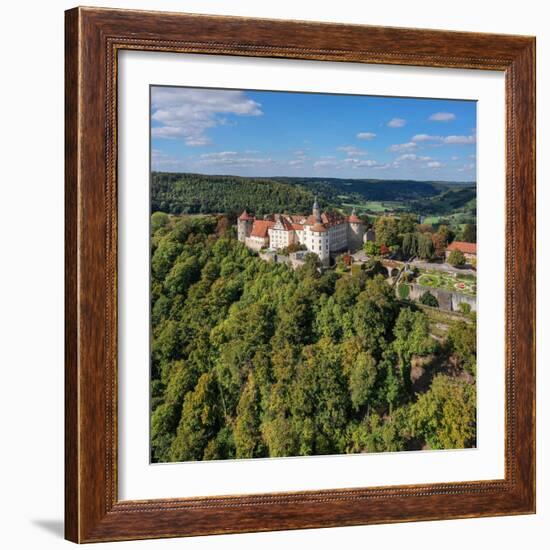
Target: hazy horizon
[276,176]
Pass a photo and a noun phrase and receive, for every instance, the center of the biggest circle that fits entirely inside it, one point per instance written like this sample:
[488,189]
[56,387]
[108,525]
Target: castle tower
[244,226]
[316,211]
[320,243]
[356,231]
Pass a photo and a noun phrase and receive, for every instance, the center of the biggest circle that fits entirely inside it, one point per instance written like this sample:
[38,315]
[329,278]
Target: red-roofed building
[468,249]
[245,216]
[260,229]
[259,234]
[244,226]
[321,232]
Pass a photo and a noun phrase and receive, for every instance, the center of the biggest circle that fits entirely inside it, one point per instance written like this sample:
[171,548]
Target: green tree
[363,375]
[374,314]
[163,258]
[425,247]
[311,266]
[182,275]
[406,223]
[377,435]
[445,416]
[158,220]
[445,233]
[371,248]
[412,337]
[428,299]
[247,435]
[320,400]
[277,427]
[410,245]
[199,421]
[469,233]
[456,258]
[386,231]
[462,341]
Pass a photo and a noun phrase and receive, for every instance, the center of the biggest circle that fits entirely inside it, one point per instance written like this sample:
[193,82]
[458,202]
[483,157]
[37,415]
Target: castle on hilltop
[321,232]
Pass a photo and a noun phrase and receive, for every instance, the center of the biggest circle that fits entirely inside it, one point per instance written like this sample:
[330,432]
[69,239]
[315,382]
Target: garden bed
[464,284]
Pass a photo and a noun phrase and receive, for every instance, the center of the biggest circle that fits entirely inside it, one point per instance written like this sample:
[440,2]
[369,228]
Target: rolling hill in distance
[187,193]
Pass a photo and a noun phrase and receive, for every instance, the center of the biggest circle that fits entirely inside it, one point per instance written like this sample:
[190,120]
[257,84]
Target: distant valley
[436,201]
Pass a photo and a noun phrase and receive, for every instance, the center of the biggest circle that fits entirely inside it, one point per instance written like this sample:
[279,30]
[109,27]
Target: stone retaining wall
[449,301]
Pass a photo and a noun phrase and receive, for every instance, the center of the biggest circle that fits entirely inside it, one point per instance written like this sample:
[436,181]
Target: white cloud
[397,123]
[356,163]
[348,162]
[296,162]
[460,140]
[425,137]
[352,151]
[467,167]
[187,113]
[443,117]
[454,157]
[435,164]
[412,156]
[450,140]
[396,148]
[323,163]
[366,135]
[233,159]
[220,155]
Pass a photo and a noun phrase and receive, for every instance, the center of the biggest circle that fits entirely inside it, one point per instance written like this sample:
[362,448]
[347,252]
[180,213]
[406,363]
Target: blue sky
[257,133]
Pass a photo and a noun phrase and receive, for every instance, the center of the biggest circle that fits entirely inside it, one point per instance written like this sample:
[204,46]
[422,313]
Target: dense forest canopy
[377,189]
[198,193]
[254,359]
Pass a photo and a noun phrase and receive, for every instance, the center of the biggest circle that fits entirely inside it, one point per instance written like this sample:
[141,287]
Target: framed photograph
[300,275]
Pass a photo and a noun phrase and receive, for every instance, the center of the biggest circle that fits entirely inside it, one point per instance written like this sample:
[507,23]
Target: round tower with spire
[244,226]
[320,243]
[316,210]
[356,231]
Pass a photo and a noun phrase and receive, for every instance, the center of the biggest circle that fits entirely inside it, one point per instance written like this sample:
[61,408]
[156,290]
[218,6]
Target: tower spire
[316,210]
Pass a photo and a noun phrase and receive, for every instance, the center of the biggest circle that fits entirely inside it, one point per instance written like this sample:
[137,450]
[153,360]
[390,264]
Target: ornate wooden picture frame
[94,37]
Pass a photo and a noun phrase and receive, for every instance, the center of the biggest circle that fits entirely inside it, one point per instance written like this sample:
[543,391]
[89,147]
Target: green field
[374,206]
[432,220]
[454,220]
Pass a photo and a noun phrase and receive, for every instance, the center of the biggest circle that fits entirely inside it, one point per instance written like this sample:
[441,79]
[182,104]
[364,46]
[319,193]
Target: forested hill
[205,194]
[254,359]
[377,189]
[197,193]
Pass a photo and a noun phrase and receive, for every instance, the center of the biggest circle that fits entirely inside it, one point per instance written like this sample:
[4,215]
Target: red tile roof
[465,248]
[331,218]
[327,219]
[260,228]
[319,228]
[245,216]
[287,223]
